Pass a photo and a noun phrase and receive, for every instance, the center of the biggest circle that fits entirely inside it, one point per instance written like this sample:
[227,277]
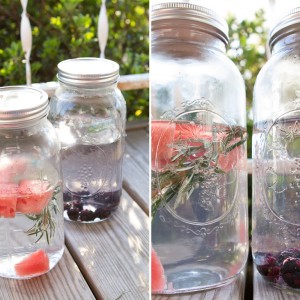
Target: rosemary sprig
[45,222]
[184,174]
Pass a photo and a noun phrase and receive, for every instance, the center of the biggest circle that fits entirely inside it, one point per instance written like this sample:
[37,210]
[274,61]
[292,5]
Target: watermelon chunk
[8,199]
[34,196]
[33,264]
[162,136]
[158,280]
[228,162]
[165,133]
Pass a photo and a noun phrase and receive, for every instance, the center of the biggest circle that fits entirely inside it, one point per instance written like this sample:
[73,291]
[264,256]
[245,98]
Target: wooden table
[108,260]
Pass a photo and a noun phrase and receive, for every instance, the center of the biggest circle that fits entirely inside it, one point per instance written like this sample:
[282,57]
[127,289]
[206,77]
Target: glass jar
[276,158]
[31,218]
[198,155]
[89,112]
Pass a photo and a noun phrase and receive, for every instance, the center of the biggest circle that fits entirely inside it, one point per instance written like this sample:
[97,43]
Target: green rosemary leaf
[178,155]
[184,169]
[44,222]
[194,160]
[33,217]
[230,148]
[183,191]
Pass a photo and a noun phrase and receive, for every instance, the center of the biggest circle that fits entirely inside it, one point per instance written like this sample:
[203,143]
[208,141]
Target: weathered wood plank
[137,124]
[114,255]
[232,291]
[264,291]
[133,82]
[136,167]
[64,281]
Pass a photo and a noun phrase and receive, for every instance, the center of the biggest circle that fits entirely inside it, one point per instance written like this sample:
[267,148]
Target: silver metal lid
[88,72]
[192,12]
[22,104]
[287,24]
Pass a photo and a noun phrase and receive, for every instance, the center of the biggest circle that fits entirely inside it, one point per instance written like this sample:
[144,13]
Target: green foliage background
[247,49]
[65,29]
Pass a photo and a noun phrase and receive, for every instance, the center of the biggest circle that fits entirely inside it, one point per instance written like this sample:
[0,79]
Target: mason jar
[31,207]
[198,152]
[89,112]
[276,158]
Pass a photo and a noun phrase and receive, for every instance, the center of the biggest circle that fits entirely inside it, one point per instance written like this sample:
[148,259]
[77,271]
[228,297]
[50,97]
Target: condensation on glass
[276,158]
[31,206]
[89,112]
[198,152]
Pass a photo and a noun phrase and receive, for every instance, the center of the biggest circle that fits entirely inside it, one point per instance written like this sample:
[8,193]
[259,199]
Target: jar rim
[209,19]
[89,72]
[288,23]
[22,104]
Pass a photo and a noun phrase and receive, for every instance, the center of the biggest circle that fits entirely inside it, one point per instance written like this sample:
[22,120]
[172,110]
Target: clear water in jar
[27,249]
[199,204]
[276,247]
[92,180]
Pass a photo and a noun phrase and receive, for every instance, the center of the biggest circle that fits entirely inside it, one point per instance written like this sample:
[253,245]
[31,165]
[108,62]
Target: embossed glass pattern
[88,112]
[276,158]
[198,153]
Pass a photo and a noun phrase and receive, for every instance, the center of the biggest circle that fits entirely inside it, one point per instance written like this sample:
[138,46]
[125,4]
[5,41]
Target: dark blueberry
[73,213]
[87,215]
[288,253]
[78,204]
[267,266]
[67,205]
[290,272]
[102,213]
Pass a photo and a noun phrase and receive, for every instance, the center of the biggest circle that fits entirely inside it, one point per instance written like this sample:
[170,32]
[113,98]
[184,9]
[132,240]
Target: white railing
[26,39]
[126,83]
[249,165]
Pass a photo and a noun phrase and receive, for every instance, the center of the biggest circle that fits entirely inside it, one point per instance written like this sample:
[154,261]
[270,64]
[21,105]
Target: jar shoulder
[277,86]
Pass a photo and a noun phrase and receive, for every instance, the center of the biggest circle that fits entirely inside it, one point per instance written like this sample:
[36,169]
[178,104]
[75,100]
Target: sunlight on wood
[134,220]
[135,244]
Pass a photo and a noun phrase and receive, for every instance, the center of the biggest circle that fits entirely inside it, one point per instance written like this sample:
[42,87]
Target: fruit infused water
[31,234]
[89,113]
[199,227]
[31,210]
[276,209]
[92,176]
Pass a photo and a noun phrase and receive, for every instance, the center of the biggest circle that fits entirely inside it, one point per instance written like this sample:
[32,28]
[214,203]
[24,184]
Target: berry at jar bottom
[282,268]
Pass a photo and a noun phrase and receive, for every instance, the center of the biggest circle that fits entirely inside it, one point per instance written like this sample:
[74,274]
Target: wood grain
[263,290]
[113,255]
[64,281]
[136,167]
[232,291]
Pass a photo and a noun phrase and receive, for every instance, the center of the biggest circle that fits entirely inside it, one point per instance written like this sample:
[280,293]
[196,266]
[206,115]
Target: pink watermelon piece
[11,168]
[8,199]
[192,132]
[162,136]
[228,162]
[165,133]
[33,264]
[158,280]
[34,196]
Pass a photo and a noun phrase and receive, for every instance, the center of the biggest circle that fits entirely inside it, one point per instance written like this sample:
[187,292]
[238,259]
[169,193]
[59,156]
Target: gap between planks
[136,167]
